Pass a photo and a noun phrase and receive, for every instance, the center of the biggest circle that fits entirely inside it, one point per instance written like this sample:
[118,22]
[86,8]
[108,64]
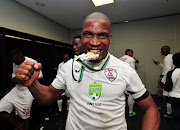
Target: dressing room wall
[146,37]
[18,17]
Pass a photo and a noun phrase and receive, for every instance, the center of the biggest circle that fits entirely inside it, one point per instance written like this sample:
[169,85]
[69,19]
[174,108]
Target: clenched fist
[27,73]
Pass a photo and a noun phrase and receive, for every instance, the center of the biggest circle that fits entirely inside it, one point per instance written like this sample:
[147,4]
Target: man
[128,57]
[172,85]
[77,45]
[97,87]
[19,97]
[167,66]
[66,57]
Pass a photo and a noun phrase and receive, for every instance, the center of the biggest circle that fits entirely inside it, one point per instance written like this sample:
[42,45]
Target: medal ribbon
[84,65]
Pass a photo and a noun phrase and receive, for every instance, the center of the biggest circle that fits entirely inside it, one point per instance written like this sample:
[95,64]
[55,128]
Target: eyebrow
[104,33]
[87,32]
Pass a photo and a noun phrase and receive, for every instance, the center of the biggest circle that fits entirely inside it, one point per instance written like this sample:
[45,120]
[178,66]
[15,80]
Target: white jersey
[98,100]
[60,65]
[175,92]
[130,60]
[66,93]
[167,66]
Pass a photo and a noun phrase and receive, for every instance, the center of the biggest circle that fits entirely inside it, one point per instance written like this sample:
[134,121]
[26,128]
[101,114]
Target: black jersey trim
[144,96]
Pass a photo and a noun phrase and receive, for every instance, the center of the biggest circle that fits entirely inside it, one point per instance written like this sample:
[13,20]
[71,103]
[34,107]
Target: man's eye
[87,34]
[103,35]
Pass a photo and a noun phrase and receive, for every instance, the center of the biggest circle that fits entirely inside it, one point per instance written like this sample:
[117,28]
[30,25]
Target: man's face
[66,58]
[96,35]
[130,53]
[163,51]
[77,46]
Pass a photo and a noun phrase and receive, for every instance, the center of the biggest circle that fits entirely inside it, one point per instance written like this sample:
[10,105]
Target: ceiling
[71,13]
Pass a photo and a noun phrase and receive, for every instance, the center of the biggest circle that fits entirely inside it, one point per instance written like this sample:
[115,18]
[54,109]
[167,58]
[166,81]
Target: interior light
[102,2]
[18,37]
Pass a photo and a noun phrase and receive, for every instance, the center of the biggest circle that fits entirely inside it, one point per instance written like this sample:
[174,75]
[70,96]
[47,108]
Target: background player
[19,97]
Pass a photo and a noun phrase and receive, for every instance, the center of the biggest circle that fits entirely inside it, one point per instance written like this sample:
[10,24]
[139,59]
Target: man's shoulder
[114,59]
[125,56]
[169,56]
[68,63]
[131,58]
[118,63]
[177,71]
[128,58]
[62,63]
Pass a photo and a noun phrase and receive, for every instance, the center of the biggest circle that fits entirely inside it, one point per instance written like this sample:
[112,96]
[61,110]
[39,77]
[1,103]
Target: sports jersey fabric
[175,92]
[130,60]
[60,65]
[98,100]
[167,66]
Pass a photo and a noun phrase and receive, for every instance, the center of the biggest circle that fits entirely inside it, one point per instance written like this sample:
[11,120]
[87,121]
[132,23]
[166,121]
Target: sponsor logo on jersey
[93,104]
[111,74]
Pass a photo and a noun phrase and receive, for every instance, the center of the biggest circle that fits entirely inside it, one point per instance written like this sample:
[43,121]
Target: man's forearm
[41,93]
[151,119]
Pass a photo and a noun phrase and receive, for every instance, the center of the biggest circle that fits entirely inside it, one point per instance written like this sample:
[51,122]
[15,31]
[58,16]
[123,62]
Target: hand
[27,73]
[157,63]
[162,84]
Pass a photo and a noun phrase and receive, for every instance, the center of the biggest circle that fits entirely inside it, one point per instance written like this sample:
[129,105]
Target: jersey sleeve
[132,64]
[135,86]
[161,65]
[14,70]
[59,82]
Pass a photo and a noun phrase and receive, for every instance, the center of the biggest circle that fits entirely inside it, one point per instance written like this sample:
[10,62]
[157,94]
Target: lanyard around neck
[84,65]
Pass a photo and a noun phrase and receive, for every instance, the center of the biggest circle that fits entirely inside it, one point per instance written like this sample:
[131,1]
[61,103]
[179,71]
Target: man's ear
[110,37]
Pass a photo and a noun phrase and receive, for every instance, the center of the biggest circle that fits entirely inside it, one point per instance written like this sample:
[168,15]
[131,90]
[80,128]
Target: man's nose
[95,41]
[74,48]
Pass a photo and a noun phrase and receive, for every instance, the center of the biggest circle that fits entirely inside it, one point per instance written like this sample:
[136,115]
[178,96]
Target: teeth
[95,51]
[92,55]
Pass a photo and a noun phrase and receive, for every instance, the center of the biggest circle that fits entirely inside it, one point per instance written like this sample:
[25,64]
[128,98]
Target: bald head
[96,34]
[97,16]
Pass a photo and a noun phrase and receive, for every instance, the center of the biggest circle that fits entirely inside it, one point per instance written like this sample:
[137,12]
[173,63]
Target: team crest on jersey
[123,59]
[111,74]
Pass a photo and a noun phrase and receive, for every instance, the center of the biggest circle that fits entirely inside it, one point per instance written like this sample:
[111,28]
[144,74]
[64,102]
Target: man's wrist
[33,83]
